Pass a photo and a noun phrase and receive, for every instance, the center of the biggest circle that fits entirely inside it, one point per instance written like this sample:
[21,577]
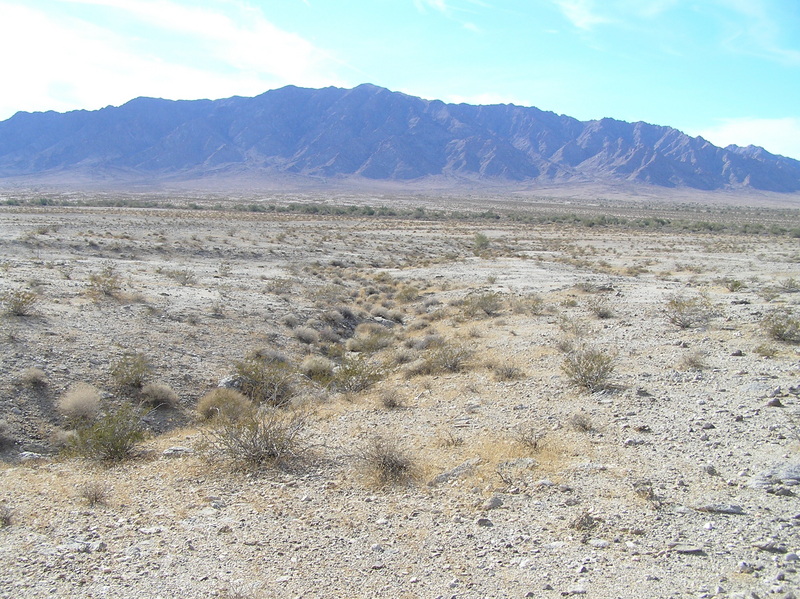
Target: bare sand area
[471,399]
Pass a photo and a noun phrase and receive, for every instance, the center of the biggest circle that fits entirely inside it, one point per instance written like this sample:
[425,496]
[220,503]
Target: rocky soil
[677,476]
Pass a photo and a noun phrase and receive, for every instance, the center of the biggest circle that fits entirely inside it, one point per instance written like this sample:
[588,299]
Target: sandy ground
[677,477]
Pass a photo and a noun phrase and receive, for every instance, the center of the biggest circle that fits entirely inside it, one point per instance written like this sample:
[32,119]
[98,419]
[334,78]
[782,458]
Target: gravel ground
[678,477]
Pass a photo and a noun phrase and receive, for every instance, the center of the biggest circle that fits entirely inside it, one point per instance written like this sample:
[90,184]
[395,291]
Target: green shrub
[262,438]
[19,302]
[782,325]
[106,283]
[113,437]
[588,367]
[130,371]
[356,374]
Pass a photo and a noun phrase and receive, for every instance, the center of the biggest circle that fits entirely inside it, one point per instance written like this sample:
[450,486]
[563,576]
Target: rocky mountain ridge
[371,133]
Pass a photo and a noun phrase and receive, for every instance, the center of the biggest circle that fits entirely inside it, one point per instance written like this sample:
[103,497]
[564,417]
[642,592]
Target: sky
[728,70]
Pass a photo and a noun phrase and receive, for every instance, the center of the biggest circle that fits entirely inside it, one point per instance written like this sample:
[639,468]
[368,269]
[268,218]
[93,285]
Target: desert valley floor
[486,399]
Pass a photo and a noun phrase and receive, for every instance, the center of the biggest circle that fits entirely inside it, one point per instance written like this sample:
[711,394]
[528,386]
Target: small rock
[722,508]
[687,549]
[176,452]
[791,557]
[599,543]
[737,353]
[484,522]
[492,503]
[775,402]
[771,547]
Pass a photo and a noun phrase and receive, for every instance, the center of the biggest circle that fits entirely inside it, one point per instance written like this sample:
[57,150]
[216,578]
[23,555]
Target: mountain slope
[369,132]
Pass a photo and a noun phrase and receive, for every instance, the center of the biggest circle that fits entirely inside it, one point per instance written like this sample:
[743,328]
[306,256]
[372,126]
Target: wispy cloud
[778,136]
[209,52]
[758,29]
[455,10]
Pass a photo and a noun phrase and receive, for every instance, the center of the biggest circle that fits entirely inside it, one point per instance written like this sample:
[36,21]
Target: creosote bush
[481,305]
[317,368]
[113,437]
[19,302]
[266,381]
[355,374]
[80,404]
[782,325]
[588,367]
[266,437]
[130,371]
[106,283]
[226,403]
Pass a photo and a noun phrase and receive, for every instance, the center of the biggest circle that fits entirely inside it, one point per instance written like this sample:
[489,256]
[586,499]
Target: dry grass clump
[317,368]
[391,399]
[588,367]
[692,361]
[159,395]
[267,437]
[33,377]
[95,492]
[504,372]
[387,463]
[306,335]
[223,402]
[532,304]
[443,358]
[6,515]
[370,338]
[600,307]
[782,325]
[688,312]
[18,302]
[130,371]
[80,404]
[581,422]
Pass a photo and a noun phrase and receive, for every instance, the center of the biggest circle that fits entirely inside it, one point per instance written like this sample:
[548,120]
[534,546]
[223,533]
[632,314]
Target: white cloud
[74,62]
[581,13]
[778,136]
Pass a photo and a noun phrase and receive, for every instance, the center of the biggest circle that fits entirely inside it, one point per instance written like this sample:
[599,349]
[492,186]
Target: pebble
[484,522]
[722,508]
[599,543]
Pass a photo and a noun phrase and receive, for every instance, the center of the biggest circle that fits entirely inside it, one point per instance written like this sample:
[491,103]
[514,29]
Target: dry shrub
[692,361]
[391,399]
[356,374]
[306,335]
[6,438]
[482,305]
[33,377]
[223,402]
[159,395]
[688,312]
[588,367]
[505,372]
[18,302]
[267,437]
[106,283]
[95,492]
[6,515]
[80,404]
[600,307]
[581,422]
[386,463]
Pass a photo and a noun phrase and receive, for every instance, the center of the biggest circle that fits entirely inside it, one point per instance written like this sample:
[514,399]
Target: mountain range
[371,133]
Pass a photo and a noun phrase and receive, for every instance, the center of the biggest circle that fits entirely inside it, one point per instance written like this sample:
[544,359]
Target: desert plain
[485,397]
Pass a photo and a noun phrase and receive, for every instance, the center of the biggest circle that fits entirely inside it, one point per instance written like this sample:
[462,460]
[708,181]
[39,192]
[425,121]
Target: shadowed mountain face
[371,133]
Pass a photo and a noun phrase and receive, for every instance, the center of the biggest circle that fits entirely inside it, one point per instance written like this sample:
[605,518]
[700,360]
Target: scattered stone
[685,549]
[771,547]
[722,508]
[459,471]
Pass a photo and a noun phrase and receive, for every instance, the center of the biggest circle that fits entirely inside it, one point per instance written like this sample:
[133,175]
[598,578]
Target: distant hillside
[374,134]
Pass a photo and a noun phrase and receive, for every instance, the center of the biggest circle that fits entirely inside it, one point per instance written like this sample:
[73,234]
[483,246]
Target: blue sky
[728,70]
